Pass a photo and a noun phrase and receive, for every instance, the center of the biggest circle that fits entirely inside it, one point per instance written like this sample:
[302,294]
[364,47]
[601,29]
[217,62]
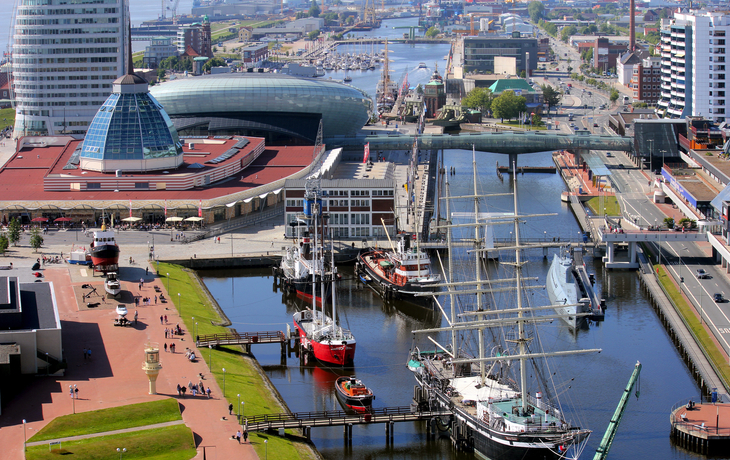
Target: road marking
[724,330]
[83,272]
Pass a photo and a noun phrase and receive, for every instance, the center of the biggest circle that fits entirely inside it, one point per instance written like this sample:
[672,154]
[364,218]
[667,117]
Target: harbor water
[589,387]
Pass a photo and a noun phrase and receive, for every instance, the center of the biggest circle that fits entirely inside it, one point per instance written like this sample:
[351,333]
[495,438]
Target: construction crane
[610,434]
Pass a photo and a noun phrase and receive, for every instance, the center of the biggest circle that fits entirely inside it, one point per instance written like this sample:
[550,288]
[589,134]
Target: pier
[703,428]
[308,420]
[245,339]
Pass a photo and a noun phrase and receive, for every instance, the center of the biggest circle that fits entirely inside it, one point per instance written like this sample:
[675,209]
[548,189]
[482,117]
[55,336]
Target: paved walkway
[107,433]
[114,376]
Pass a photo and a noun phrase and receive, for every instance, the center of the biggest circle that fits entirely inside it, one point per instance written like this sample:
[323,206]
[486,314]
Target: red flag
[200,208]
[130,208]
[165,208]
[367,153]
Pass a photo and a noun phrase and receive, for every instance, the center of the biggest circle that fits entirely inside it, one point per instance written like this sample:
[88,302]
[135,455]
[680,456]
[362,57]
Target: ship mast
[452,297]
[477,265]
[521,337]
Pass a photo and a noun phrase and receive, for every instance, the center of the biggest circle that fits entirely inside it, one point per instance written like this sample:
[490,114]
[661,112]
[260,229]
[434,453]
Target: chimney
[632,26]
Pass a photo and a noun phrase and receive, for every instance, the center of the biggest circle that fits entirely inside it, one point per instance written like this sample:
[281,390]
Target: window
[93,185]
[144,185]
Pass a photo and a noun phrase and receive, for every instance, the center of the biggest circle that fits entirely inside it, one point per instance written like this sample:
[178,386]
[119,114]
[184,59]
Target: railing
[239,339]
[695,428]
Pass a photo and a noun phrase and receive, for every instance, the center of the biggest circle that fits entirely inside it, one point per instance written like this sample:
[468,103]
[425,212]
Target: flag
[200,208]
[367,153]
[165,208]
[130,208]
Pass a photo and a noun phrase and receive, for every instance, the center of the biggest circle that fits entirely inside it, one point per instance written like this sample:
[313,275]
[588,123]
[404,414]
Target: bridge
[246,339]
[512,143]
[307,420]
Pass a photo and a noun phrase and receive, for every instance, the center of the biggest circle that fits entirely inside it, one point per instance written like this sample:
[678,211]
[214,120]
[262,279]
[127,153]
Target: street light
[25,438]
[239,407]
[651,155]
[224,382]
[168,283]
[121,451]
[681,278]
[231,244]
[210,357]
[266,445]
[179,303]
[243,406]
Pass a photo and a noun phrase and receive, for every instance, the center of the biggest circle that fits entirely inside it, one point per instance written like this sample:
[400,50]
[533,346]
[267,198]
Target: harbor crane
[605,446]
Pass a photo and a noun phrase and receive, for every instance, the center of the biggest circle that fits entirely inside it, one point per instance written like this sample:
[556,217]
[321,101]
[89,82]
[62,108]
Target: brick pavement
[113,376]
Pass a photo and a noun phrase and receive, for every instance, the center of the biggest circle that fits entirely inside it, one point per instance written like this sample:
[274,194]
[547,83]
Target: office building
[65,57]
[159,49]
[479,52]
[693,72]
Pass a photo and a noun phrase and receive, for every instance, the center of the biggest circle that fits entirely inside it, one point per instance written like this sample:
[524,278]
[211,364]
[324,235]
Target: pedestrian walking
[165,344]
[71,391]
[84,353]
[178,389]
[88,353]
[238,436]
[173,346]
[195,391]
[230,409]
[161,319]
[165,315]
[76,392]
[207,391]
[136,314]
[245,435]
[165,332]
[183,389]
[147,270]
[155,300]
[190,385]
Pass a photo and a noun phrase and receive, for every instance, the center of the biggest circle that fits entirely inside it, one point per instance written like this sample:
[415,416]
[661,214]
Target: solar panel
[241,144]
[226,155]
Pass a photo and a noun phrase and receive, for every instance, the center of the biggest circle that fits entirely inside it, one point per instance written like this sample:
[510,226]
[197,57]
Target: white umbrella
[132,219]
[193,219]
[174,219]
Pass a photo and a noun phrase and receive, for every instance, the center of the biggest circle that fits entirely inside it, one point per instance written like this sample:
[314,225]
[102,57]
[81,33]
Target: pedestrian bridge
[511,142]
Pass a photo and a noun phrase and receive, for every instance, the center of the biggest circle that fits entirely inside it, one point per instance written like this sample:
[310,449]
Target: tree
[550,96]
[523,74]
[215,62]
[419,89]
[4,243]
[614,95]
[478,98]
[567,32]
[14,231]
[536,120]
[432,32]
[314,9]
[536,10]
[160,74]
[313,35]
[36,240]
[669,222]
[508,105]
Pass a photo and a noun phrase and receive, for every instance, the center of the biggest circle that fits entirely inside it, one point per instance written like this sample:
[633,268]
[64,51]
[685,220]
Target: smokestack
[632,26]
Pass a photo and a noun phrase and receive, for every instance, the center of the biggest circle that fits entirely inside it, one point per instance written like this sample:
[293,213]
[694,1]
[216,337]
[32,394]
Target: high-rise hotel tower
[65,56]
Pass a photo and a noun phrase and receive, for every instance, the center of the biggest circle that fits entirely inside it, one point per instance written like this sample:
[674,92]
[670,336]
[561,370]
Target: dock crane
[610,434]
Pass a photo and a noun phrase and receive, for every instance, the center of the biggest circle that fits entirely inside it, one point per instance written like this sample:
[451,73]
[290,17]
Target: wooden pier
[307,420]
[245,339]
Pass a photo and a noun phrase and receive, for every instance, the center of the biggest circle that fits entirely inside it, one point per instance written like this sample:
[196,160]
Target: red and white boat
[104,250]
[325,339]
[354,395]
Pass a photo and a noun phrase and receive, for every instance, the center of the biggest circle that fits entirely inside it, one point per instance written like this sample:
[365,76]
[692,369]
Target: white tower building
[694,59]
[65,55]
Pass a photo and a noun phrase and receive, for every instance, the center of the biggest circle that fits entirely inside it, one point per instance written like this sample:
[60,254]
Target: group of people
[190,354]
[194,389]
[171,347]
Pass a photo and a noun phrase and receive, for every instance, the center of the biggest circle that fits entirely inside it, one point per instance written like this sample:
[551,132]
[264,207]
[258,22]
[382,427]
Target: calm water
[630,332]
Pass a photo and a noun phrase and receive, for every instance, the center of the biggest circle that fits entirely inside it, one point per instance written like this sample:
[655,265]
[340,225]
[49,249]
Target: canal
[590,385]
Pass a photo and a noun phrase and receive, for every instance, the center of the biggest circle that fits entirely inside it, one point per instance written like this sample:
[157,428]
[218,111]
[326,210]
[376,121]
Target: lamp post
[168,283]
[663,152]
[179,303]
[121,451]
[210,357]
[266,451]
[231,244]
[196,332]
[224,382]
[651,155]
[681,278]
[73,400]
[243,406]
[25,437]
[238,408]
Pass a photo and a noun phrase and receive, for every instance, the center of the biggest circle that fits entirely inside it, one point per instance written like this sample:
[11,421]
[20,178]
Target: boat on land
[112,285]
[354,395]
[121,310]
[402,272]
[570,289]
[490,346]
[104,250]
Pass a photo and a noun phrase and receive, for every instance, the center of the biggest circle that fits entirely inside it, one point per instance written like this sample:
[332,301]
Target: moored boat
[353,394]
[570,291]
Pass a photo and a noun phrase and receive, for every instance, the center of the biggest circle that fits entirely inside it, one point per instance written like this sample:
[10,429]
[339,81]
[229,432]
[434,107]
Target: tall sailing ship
[496,414]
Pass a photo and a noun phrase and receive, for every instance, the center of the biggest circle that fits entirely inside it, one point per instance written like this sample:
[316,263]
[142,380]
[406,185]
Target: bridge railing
[330,414]
[236,338]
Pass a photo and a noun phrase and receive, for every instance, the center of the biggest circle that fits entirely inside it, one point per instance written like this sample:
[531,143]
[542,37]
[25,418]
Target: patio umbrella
[63,219]
[174,219]
[132,219]
[40,219]
[193,219]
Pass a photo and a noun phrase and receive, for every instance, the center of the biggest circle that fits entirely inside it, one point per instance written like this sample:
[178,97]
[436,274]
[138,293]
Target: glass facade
[344,109]
[131,127]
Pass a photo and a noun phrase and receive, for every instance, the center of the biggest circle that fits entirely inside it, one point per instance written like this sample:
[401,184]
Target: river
[630,332]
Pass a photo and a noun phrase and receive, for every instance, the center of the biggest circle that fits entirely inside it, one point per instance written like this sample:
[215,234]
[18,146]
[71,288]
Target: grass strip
[168,443]
[113,418]
[242,375]
[701,335]
[610,203]
[7,117]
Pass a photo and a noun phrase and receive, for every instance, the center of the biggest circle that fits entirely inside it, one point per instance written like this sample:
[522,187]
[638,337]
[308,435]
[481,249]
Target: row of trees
[13,236]
[507,105]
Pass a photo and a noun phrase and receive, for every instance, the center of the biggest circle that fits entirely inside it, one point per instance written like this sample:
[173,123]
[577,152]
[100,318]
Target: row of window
[52,22]
[74,31]
[65,41]
[42,12]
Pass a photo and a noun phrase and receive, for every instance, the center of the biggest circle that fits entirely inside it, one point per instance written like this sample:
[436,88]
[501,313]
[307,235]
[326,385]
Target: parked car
[702,274]
[608,154]
[717,297]
[595,125]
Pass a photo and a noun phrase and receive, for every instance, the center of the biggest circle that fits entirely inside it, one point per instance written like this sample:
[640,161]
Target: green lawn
[169,443]
[609,202]
[516,124]
[7,117]
[688,312]
[241,376]
[114,418]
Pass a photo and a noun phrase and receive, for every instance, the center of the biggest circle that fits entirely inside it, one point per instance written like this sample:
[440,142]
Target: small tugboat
[399,273]
[422,65]
[354,395]
[112,285]
[347,79]
[104,250]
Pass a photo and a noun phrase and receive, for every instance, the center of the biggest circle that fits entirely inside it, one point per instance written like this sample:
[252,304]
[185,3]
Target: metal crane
[607,440]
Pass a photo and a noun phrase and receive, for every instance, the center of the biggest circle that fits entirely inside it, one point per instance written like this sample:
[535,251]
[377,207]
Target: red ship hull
[330,352]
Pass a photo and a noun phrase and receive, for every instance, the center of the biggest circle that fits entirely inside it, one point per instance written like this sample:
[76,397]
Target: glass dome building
[131,132]
[270,105]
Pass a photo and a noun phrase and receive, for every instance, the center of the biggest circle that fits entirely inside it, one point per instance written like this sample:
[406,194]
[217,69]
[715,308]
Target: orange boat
[353,394]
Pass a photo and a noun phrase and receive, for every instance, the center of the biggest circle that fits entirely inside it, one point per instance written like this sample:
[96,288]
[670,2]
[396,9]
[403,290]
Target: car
[608,154]
[718,298]
[595,125]
[621,166]
[702,274]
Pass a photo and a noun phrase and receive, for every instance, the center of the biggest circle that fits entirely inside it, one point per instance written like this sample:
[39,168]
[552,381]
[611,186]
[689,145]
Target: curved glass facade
[131,127]
[344,109]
